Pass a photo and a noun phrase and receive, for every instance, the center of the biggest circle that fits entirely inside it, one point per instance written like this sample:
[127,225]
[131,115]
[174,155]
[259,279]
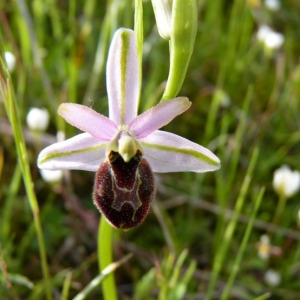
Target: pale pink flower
[136,139]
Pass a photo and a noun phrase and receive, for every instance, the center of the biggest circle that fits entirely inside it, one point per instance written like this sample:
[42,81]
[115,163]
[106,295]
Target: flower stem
[105,258]
[7,93]
[279,209]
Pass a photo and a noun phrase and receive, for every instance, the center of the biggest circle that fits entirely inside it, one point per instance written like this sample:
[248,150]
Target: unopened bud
[162,12]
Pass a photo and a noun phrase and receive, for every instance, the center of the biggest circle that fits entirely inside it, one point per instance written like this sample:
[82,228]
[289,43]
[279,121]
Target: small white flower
[10,61]
[37,119]
[286,182]
[264,247]
[272,278]
[273,4]
[51,176]
[223,98]
[60,136]
[270,38]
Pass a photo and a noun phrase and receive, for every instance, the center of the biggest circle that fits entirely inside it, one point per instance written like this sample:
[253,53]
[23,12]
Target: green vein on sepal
[123,65]
[69,153]
[191,152]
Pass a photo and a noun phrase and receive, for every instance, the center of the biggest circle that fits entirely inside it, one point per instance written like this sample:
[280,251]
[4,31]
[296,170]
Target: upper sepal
[122,77]
[88,120]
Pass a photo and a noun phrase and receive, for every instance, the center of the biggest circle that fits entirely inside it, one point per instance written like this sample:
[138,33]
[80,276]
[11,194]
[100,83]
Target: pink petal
[158,116]
[167,152]
[88,120]
[122,76]
[82,152]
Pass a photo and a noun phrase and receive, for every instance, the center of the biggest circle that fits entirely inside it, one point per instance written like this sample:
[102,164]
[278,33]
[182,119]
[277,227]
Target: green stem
[7,93]
[241,252]
[279,209]
[230,228]
[105,258]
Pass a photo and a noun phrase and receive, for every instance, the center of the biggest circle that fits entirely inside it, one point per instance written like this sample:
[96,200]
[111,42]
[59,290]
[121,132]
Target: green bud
[183,34]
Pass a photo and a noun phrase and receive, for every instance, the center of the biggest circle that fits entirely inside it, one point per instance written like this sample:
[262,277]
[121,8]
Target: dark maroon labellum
[123,191]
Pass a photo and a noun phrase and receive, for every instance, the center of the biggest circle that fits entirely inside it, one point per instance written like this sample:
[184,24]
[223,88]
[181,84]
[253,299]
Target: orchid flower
[125,149]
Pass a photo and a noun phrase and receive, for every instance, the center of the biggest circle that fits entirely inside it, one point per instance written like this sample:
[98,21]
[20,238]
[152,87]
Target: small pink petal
[158,116]
[167,152]
[122,77]
[88,120]
[81,152]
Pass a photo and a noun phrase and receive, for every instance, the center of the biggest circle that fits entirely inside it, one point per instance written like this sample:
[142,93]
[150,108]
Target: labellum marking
[123,191]
[132,194]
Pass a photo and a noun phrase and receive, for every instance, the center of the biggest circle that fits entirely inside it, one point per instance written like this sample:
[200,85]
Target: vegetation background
[202,237]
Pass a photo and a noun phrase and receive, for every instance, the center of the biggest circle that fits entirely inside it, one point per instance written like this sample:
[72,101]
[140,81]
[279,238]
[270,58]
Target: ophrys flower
[125,148]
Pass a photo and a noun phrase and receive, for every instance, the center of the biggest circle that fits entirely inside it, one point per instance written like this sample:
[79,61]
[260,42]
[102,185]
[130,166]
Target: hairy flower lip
[165,152]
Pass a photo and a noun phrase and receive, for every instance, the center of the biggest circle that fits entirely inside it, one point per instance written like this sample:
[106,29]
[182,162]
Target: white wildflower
[264,247]
[270,38]
[37,119]
[10,60]
[51,176]
[273,4]
[272,278]
[223,98]
[286,182]
[60,136]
